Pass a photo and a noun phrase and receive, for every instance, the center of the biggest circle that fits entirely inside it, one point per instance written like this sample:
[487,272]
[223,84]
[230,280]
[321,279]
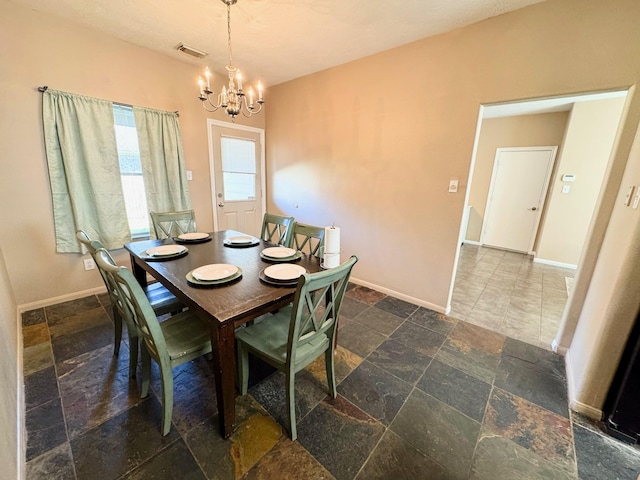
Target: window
[131,171]
[106,150]
[238,168]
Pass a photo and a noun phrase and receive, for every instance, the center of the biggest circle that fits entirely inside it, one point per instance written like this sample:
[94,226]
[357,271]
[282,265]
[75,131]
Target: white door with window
[518,189]
[237,176]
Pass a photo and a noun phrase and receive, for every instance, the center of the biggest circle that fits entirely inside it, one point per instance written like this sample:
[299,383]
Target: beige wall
[381,137]
[11,391]
[38,50]
[585,153]
[518,131]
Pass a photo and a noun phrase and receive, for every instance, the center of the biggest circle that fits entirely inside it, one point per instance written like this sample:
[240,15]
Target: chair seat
[271,335]
[162,300]
[186,334]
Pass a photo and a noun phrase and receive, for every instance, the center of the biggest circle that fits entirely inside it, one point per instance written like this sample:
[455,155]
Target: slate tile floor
[420,396]
[507,293]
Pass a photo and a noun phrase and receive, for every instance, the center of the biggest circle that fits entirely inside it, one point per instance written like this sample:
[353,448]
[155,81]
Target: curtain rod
[44,88]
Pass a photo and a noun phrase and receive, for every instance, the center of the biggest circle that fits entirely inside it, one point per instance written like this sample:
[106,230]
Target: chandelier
[232,97]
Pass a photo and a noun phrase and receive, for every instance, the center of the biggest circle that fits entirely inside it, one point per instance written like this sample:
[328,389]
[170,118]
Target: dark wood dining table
[224,307]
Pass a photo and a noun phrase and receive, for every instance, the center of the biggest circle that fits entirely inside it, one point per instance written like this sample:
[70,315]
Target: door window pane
[238,169]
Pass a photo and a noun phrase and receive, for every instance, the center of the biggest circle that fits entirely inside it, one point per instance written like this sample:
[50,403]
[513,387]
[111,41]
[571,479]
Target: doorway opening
[523,295]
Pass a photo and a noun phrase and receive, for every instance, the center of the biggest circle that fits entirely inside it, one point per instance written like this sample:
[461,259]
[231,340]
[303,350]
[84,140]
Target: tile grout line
[482,424]
[62,411]
[525,266]
[385,428]
[413,388]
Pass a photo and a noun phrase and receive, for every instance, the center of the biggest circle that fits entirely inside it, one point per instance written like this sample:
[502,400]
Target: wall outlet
[89,264]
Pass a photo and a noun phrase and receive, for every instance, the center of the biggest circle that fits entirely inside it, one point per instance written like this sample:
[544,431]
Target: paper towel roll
[332,239]
[331,247]
[331,260]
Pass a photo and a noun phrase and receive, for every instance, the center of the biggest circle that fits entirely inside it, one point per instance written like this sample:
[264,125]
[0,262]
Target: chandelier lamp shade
[232,98]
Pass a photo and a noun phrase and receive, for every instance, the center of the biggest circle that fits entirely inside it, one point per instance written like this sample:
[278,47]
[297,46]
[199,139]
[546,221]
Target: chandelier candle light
[232,98]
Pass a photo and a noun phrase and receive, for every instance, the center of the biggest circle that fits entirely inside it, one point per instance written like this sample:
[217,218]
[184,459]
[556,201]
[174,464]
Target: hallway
[506,292]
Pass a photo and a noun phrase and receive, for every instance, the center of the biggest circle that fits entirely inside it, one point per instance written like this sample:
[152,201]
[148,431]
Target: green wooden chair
[162,301]
[173,342]
[307,238]
[276,228]
[172,224]
[296,335]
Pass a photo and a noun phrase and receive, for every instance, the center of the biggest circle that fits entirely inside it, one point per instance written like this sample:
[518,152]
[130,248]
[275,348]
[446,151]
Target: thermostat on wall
[569,177]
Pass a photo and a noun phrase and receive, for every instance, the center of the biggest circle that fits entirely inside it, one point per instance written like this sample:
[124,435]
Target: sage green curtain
[84,171]
[162,159]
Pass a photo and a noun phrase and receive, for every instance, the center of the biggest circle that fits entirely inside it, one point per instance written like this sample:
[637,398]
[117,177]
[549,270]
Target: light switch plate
[189,175]
[627,199]
[453,185]
[566,188]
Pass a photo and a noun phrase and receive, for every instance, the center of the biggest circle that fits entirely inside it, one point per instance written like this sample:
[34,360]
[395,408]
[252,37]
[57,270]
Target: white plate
[165,250]
[215,271]
[241,239]
[193,236]
[284,271]
[278,252]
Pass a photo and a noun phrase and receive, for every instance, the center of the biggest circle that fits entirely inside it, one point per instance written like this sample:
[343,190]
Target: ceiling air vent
[194,52]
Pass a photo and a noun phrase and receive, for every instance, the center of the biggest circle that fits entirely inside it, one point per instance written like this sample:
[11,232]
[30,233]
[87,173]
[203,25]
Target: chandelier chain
[229,33]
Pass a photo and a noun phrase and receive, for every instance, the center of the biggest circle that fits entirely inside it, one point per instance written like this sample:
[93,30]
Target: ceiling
[274,40]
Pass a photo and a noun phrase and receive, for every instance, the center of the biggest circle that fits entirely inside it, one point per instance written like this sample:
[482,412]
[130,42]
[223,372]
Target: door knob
[221,204]
[533,208]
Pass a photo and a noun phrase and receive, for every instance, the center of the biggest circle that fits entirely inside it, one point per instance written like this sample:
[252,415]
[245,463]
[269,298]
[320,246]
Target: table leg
[138,272]
[224,371]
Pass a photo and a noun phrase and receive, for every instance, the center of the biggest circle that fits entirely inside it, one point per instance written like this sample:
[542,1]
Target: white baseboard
[574,404]
[401,296]
[62,298]
[586,410]
[471,242]
[557,348]
[555,264]
[21,427]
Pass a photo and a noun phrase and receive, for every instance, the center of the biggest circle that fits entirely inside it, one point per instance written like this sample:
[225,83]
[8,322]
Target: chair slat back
[91,245]
[137,309]
[316,306]
[308,239]
[276,229]
[172,224]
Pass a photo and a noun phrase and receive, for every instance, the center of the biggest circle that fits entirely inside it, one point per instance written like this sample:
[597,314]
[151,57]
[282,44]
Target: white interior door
[518,189]
[237,177]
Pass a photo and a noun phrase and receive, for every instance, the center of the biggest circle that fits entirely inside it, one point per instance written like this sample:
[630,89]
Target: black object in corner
[622,406]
